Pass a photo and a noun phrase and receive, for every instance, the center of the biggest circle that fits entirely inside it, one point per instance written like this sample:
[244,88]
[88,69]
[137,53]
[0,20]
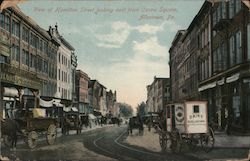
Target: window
[231,9]
[45,70]
[34,41]
[59,72]
[7,23]
[238,47]
[196,109]
[2,20]
[248,41]
[15,28]
[234,7]
[15,53]
[62,76]
[224,56]
[232,50]
[3,59]
[25,34]
[215,60]
[59,57]
[25,57]
[32,61]
[40,64]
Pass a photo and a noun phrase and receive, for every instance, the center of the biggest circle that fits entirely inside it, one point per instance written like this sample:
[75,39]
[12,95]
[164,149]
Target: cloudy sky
[122,44]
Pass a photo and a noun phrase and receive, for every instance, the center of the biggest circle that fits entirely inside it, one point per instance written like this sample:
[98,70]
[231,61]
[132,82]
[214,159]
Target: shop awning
[66,109]
[91,116]
[74,109]
[44,103]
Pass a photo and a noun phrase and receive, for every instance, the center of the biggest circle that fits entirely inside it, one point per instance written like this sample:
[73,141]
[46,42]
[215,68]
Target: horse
[10,129]
[135,123]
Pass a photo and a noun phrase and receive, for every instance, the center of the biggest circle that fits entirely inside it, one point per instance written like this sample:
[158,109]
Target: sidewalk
[226,147]
[223,140]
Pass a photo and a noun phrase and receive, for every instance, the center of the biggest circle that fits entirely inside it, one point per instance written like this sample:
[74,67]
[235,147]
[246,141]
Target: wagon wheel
[7,140]
[176,142]
[32,139]
[51,134]
[207,140]
[163,141]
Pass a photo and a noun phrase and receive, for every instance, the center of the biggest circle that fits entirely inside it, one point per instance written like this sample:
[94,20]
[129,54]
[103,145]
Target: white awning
[44,103]
[66,109]
[91,116]
[12,92]
[74,109]
[8,99]
[233,78]
[208,86]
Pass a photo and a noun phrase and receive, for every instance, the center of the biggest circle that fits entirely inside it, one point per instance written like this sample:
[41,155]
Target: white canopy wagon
[185,122]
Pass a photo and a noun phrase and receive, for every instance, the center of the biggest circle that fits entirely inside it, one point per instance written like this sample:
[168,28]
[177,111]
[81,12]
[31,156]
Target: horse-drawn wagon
[71,121]
[185,123]
[29,127]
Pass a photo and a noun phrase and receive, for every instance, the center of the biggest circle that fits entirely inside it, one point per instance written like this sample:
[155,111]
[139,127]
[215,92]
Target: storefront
[228,99]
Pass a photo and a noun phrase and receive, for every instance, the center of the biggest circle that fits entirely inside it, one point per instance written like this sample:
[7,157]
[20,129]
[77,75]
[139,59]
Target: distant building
[81,88]
[97,97]
[111,100]
[158,94]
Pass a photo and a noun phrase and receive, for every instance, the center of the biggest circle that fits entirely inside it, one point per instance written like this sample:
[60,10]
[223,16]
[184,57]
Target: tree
[141,108]
[125,110]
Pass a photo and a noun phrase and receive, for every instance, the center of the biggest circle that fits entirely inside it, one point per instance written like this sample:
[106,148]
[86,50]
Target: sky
[122,44]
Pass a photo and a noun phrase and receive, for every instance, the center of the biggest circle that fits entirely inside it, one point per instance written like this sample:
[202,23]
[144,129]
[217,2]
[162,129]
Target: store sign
[233,78]
[20,81]
[221,82]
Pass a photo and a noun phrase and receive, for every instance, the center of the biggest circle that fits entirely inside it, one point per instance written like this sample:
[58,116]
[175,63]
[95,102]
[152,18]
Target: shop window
[236,110]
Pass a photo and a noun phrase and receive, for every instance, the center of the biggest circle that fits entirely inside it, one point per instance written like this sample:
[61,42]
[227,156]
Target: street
[108,144]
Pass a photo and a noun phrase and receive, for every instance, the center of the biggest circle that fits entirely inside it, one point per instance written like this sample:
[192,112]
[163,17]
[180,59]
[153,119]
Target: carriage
[30,126]
[135,123]
[185,123]
[71,121]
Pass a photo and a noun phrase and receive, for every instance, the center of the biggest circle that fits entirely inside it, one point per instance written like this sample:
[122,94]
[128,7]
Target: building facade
[220,37]
[27,58]
[111,100]
[97,97]
[64,68]
[81,88]
[158,94]
[227,89]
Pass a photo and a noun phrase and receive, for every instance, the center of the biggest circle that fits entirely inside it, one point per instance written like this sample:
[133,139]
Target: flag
[9,3]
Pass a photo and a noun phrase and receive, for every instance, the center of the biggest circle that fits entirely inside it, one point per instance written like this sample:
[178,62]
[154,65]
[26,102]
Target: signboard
[196,117]
[20,81]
